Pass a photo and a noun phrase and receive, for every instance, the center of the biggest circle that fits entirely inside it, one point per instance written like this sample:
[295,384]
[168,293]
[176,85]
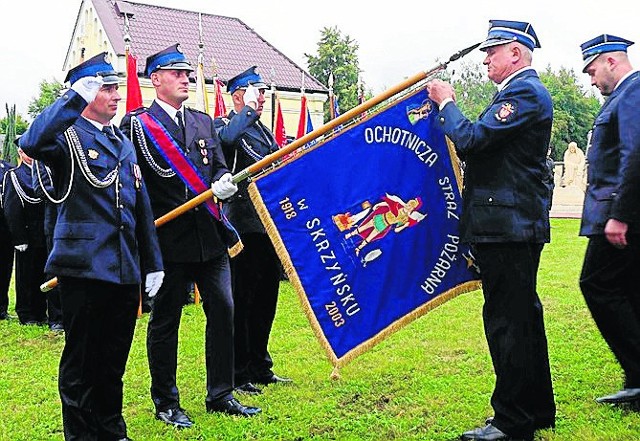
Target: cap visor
[177,66]
[588,61]
[493,42]
[259,85]
[110,79]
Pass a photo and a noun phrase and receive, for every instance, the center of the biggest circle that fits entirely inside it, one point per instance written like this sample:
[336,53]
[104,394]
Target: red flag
[304,123]
[134,95]
[279,132]
[221,109]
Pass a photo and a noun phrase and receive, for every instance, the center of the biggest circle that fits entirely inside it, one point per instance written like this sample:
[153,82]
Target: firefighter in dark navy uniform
[505,217]
[104,242]
[256,271]
[611,212]
[43,188]
[6,249]
[182,157]
[24,212]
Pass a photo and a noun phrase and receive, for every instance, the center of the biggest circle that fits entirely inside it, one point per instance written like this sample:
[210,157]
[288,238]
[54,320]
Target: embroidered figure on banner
[415,113]
[373,223]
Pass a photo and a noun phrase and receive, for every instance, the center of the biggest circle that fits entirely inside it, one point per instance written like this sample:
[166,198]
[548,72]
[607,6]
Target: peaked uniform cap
[599,45]
[506,31]
[246,78]
[97,66]
[170,58]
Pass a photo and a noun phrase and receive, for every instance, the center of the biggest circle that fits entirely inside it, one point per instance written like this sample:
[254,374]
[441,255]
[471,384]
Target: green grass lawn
[431,380]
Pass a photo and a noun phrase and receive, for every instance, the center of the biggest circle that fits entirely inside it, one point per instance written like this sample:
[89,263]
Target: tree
[21,125]
[574,110]
[473,89]
[337,54]
[9,150]
[49,92]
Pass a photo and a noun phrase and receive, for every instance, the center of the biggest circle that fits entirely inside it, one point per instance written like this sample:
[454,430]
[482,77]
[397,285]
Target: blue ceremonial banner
[366,224]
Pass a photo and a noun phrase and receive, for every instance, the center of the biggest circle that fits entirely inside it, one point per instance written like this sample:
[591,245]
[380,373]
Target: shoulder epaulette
[197,111]
[138,111]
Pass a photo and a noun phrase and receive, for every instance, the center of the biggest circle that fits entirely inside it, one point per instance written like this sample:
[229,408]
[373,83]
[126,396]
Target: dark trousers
[514,326]
[54,306]
[6,268]
[31,303]
[99,321]
[610,283]
[213,278]
[256,280]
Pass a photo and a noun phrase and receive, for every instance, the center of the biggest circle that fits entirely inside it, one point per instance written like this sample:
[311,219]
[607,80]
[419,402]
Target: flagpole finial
[331,82]
[201,40]
[126,37]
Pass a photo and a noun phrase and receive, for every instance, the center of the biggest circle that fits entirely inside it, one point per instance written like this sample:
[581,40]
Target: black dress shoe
[249,389]
[174,417]
[488,433]
[33,323]
[628,395]
[272,379]
[56,327]
[538,425]
[232,407]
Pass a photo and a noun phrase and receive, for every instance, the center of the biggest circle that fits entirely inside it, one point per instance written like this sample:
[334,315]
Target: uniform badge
[137,175]
[505,112]
[93,154]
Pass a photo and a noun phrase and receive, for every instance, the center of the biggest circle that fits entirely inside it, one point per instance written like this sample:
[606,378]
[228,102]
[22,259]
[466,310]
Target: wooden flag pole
[270,159]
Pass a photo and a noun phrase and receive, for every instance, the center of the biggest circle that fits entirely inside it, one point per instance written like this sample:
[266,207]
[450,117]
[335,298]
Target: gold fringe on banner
[455,162]
[282,252]
[235,249]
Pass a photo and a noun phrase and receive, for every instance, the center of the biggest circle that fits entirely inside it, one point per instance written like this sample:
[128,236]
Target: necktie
[180,124]
[108,130]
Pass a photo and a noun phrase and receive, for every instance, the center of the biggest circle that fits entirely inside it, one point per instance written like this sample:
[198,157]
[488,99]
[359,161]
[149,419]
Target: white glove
[251,94]
[224,188]
[22,248]
[153,282]
[88,87]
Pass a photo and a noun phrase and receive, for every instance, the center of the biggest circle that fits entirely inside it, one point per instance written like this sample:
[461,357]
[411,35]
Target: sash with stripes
[188,173]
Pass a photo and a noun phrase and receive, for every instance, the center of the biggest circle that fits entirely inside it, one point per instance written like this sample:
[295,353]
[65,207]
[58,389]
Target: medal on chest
[203,151]
[137,175]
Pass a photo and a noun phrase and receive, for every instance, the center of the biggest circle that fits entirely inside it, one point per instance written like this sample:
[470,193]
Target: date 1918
[287,208]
